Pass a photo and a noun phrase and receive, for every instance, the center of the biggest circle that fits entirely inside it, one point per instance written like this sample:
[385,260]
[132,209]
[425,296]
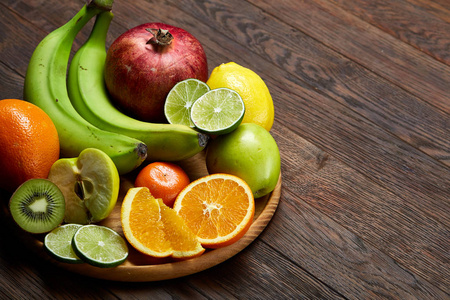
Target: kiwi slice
[37,206]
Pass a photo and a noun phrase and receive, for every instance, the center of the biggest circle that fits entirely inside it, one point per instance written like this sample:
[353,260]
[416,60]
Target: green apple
[90,185]
[249,152]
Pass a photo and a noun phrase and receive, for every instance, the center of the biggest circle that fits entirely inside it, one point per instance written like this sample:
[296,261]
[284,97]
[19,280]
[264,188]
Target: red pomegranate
[144,63]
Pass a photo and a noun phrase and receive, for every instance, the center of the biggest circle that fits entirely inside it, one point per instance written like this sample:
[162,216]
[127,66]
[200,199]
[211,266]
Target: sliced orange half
[183,241]
[218,208]
[154,229]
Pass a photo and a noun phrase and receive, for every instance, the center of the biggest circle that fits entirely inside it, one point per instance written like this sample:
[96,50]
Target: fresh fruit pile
[74,135]
[90,98]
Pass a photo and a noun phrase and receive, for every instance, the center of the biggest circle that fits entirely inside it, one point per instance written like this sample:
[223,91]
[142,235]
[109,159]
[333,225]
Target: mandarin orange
[164,180]
[29,143]
[154,229]
[218,208]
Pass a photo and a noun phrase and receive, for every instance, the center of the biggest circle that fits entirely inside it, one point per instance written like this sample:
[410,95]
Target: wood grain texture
[433,7]
[11,83]
[326,71]
[367,45]
[19,40]
[362,115]
[433,39]
[363,272]
[414,239]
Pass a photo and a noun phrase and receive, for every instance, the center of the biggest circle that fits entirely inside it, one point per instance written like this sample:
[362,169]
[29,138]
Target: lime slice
[180,99]
[219,111]
[58,243]
[100,246]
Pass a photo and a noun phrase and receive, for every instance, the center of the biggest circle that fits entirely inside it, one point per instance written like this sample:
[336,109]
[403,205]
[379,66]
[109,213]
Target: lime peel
[218,111]
[100,246]
[180,99]
[58,243]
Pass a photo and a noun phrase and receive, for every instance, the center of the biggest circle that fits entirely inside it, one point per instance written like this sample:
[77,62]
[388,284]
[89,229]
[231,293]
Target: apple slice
[90,185]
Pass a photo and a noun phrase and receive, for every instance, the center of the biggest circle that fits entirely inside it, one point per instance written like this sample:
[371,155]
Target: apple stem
[160,37]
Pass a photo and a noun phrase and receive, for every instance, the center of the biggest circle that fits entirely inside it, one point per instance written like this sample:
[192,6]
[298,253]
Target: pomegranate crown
[160,36]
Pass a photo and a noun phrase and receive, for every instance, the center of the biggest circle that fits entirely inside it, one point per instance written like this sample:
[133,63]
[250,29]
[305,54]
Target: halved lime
[58,243]
[180,99]
[219,111]
[100,246]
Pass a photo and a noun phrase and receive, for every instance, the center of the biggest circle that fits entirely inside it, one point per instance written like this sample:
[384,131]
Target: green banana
[45,85]
[90,98]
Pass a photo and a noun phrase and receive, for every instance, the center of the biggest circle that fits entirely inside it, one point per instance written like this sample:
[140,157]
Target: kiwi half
[37,206]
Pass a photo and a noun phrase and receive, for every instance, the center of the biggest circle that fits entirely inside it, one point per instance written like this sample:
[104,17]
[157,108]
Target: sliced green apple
[90,184]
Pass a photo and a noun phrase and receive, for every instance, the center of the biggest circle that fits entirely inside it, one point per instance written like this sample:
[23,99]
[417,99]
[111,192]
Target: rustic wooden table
[362,100]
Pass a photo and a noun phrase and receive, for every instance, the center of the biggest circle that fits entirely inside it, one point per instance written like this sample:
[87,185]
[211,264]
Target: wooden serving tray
[139,267]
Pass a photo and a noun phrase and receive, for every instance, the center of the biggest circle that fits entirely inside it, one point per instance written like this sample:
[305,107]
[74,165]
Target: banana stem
[101,4]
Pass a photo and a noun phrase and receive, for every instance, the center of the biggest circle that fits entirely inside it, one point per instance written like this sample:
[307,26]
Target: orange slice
[155,229]
[218,208]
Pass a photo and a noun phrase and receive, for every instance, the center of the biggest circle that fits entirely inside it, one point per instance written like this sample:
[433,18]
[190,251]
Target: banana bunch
[45,86]
[98,126]
[89,96]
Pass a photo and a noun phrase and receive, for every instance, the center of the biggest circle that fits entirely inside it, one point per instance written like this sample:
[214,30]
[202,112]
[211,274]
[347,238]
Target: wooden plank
[12,83]
[19,40]
[407,22]
[45,14]
[292,281]
[347,263]
[352,85]
[375,215]
[437,9]
[443,3]
[419,180]
[377,51]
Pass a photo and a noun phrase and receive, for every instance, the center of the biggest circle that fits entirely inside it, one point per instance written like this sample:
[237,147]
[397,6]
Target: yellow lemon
[253,90]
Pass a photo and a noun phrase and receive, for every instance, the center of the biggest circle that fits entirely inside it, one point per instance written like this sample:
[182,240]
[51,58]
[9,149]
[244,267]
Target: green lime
[58,243]
[180,99]
[100,246]
[219,111]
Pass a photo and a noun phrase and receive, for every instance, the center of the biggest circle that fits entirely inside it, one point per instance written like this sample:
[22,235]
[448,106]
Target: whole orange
[29,143]
[164,180]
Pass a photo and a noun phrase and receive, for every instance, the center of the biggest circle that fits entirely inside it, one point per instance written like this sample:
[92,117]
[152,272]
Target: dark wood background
[362,100]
